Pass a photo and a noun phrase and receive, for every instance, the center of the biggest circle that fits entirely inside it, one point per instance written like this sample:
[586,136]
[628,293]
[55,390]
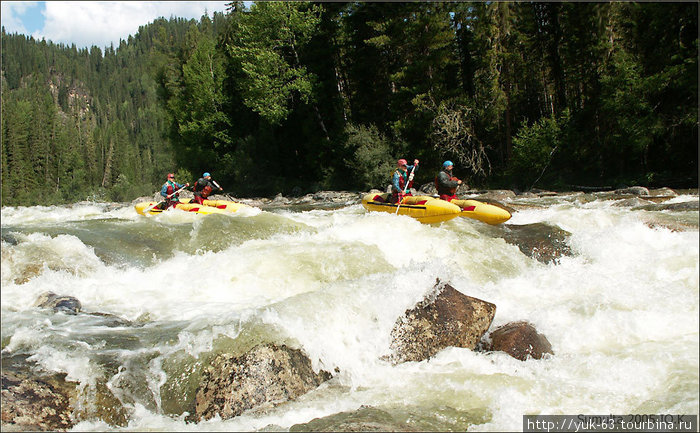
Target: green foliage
[83,121]
[265,48]
[535,146]
[372,160]
[289,96]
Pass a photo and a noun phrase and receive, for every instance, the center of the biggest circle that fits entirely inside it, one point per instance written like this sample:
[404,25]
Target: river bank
[645,195]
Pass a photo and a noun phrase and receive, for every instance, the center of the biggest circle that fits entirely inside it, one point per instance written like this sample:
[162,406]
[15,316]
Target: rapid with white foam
[621,312]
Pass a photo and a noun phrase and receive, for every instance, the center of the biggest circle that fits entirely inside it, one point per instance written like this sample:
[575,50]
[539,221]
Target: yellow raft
[423,208]
[209,207]
[485,212]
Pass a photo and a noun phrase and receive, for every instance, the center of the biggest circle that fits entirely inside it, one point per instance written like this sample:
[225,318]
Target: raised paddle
[151,207]
[228,196]
[408,182]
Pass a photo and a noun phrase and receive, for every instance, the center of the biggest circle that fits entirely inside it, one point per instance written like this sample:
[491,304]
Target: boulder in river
[518,339]
[661,194]
[41,403]
[633,202]
[539,241]
[37,400]
[264,376]
[633,190]
[495,195]
[364,419]
[397,418]
[445,318]
[67,304]
[693,205]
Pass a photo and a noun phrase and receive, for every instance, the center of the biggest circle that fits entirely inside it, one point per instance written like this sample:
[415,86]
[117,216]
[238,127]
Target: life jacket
[206,191]
[171,189]
[203,188]
[402,180]
[444,190]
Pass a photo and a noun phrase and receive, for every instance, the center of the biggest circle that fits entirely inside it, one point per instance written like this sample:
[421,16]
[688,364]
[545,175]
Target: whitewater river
[621,312]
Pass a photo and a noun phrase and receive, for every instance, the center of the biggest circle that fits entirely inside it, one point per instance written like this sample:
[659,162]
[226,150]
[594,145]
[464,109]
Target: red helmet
[171,175]
[402,162]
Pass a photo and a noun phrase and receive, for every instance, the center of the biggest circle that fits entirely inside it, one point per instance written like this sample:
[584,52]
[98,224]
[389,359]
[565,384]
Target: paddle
[408,182]
[228,196]
[163,201]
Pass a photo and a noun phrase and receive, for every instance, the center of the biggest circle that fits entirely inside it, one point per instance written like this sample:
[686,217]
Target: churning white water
[621,312]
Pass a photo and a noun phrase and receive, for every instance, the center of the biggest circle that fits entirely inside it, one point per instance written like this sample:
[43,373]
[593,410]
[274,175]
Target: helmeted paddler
[170,191]
[401,182]
[446,183]
[204,187]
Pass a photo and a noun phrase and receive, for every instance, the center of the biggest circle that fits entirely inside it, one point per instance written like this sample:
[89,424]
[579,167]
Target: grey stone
[67,304]
[266,375]
[36,403]
[540,241]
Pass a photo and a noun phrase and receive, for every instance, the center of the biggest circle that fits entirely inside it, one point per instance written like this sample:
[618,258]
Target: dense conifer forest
[294,97]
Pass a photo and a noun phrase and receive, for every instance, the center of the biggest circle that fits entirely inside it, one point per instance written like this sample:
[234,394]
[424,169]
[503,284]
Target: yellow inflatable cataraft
[423,208]
[209,207]
[428,209]
[485,212]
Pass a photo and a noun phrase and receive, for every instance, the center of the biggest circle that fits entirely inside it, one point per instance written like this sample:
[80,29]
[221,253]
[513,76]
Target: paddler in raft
[203,187]
[171,192]
[400,182]
[446,183]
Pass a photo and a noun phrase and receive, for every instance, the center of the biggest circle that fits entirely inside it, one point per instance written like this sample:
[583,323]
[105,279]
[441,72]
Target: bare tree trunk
[108,165]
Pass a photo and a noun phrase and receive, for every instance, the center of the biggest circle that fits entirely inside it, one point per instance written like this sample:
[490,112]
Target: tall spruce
[291,97]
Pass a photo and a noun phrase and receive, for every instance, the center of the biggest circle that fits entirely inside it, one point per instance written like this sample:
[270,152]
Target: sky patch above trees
[99,23]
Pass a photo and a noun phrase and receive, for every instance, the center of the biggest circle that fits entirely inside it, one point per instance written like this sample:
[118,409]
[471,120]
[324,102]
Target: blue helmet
[206,174]
[446,164]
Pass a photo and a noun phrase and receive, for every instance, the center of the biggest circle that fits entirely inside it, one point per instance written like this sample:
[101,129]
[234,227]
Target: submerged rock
[495,195]
[265,376]
[71,305]
[364,419]
[543,193]
[674,207]
[444,318]
[634,190]
[67,304]
[336,197]
[632,202]
[10,238]
[674,226]
[661,194]
[539,241]
[519,340]
[397,418]
[40,403]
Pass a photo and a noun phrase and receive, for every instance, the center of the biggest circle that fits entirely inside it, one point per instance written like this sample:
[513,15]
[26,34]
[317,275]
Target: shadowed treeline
[298,97]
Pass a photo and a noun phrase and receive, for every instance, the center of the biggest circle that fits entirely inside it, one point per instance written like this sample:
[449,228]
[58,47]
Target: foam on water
[621,313]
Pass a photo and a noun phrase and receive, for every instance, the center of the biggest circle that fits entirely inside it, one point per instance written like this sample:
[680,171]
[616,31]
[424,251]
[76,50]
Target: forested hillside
[293,97]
